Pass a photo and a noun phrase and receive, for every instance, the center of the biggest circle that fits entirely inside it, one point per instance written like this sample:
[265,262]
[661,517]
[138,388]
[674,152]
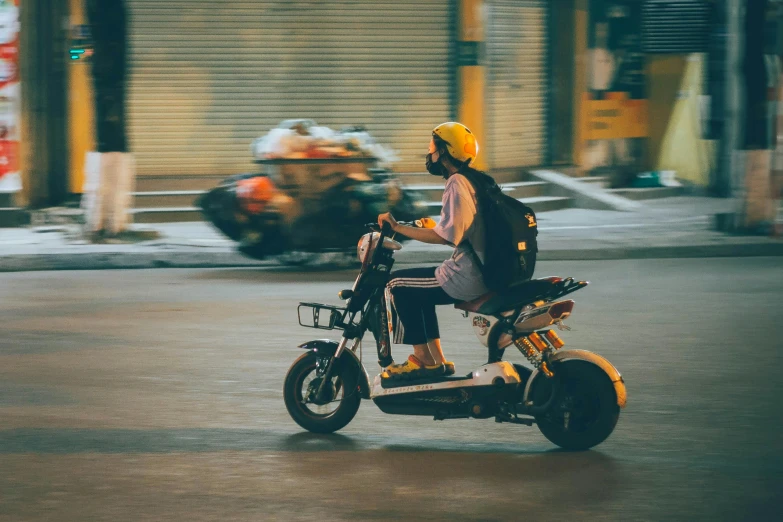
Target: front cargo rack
[321,316]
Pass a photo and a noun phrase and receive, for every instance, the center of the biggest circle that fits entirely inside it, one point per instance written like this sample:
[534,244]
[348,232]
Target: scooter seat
[519,294]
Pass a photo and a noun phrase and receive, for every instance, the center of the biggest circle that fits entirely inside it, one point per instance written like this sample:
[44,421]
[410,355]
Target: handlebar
[375,227]
[386,231]
[419,223]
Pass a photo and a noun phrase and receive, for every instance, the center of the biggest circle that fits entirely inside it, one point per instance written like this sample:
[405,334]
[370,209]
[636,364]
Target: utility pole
[108,27]
[110,170]
[755,205]
[44,87]
[720,91]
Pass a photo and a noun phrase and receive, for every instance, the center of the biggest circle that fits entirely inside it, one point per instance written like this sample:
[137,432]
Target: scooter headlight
[369,241]
[365,247]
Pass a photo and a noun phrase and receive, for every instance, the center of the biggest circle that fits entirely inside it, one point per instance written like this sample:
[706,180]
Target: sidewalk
[671,227]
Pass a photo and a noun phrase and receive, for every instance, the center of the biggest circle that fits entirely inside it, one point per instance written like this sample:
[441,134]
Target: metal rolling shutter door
[516,54]
[209,76]
[675,27]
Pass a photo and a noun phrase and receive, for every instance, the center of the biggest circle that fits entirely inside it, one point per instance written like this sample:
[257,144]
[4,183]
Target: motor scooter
[573,396]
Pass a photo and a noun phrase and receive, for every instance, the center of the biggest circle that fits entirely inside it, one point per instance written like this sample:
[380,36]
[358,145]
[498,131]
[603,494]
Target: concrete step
[181,185]
[526,189]
[202,182]
[188,214]
[7,200]
[519,189]
[648,193]
[166,198]
[177,183]
[57,216]
[166,215]
[14,217]
[601,181]
[547,203]
[538,204]
[425,178]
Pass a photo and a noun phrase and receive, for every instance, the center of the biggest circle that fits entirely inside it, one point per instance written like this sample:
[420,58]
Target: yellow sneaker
[413,368]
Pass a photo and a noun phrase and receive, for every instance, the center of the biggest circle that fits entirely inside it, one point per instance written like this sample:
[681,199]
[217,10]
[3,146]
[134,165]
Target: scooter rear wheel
[584,412]
[325,414]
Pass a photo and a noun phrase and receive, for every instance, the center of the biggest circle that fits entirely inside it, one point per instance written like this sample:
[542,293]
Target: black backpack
[510,233]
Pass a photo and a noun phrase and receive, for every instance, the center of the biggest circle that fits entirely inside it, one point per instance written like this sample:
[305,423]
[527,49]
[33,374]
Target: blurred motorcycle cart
[324,197]
[326,176]
[315,191]
[317,184]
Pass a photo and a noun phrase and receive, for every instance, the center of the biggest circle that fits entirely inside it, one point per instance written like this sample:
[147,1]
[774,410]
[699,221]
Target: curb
[126,261]
[230,259]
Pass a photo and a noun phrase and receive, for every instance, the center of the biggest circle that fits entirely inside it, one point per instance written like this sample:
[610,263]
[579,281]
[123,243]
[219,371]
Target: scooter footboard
[328,347]
[592,358]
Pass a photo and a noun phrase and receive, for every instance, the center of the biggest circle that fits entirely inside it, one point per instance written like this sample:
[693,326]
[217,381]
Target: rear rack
[565,287]
[318,318]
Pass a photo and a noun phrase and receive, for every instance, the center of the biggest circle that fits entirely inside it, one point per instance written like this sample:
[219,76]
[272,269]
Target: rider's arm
[425,235]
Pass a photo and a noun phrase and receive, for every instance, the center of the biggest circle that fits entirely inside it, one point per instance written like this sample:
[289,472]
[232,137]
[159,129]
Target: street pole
[720,92]
[754,205]
[732,177]
[43,44]
[108,27]
[110,171]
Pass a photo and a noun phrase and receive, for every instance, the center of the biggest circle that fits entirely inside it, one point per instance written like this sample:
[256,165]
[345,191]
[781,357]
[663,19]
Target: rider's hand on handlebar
[387,218]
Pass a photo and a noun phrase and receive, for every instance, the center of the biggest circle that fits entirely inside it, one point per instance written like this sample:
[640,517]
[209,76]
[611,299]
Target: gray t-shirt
[460,223]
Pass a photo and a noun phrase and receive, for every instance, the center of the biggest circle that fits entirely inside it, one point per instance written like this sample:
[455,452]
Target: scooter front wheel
[325,412]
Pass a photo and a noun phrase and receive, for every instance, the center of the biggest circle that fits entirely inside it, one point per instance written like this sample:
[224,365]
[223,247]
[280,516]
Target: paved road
[156,395]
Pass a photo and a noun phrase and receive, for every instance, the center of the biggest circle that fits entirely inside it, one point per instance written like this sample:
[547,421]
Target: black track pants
[415,292]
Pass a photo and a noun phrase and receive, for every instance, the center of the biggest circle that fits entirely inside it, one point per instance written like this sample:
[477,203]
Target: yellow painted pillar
[470,75]
[664,74]
[81,108]
[680,146]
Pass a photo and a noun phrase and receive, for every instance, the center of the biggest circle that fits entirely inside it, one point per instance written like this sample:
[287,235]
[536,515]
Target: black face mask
[436,169]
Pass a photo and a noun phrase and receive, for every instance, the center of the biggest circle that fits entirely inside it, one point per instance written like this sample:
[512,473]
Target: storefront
[613,106]
[206,78]
[643,105]
[517,74]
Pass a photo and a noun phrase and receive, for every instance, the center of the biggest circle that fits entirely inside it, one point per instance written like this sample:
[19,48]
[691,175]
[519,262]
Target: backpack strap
[483,184]
[481,189]
[474,256]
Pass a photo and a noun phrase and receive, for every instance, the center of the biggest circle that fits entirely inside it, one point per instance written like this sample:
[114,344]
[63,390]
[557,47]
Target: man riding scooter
[574,396]
[416,291]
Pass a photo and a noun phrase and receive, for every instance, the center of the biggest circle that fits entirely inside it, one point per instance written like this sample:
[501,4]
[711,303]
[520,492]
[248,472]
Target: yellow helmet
[460,142]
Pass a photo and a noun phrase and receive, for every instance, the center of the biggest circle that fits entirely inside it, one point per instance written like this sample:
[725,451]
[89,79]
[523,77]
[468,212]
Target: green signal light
[76,53]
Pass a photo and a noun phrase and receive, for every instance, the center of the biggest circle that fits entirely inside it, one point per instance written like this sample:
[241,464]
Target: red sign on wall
[9,96]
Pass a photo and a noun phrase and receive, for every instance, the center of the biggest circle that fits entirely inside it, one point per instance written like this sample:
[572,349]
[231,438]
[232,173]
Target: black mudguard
[328,347]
